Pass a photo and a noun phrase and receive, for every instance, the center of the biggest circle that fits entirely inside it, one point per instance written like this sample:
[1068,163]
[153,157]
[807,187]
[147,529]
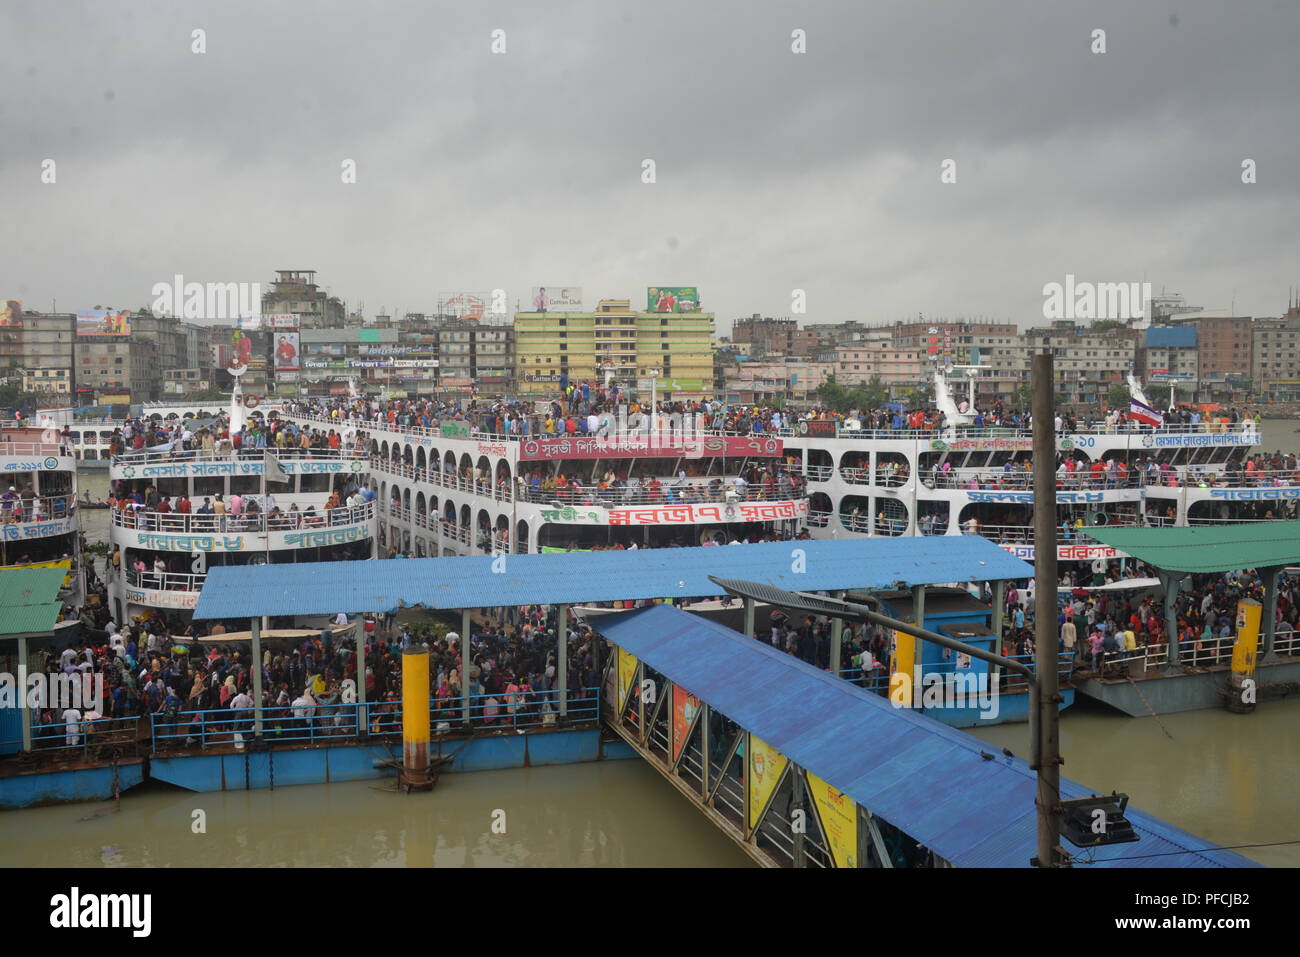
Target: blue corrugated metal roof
[314,588]
[917,773]
[1171,337]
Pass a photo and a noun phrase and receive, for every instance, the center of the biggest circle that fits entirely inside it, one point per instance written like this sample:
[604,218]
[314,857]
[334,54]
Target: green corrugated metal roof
[29,599]
[1208,548]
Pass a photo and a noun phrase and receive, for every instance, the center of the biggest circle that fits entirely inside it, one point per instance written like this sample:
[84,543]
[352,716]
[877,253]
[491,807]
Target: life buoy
[250,401]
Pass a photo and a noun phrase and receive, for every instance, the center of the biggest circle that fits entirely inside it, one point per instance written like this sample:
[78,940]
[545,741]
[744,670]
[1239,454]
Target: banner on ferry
[640,446]
[766,764]
[157,598]
[1068,553]
[626,673]
[1019,444]
[103,322]
[818,428]
[697,514]
[838,814]
[685,707]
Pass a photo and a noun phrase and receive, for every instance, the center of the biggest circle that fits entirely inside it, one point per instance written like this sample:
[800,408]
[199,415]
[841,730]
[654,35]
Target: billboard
[13,313]
[463,305]
[103,322]
[286,351]
[281,321]
[250,323]
[557,299]
[672,299]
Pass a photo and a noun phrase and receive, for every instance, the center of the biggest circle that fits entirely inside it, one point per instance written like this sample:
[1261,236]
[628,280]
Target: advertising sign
[626,672]
[13,313]
[557,299]
[286,351]
[685,707]
[463,305]
[765,766]
[103,322]
[672,299]
[839,819]
[250,323]
[932,341]
[281,321]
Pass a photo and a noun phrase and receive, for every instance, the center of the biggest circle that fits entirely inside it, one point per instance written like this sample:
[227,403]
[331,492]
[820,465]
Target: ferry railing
[1009,682]
[165,581]
[875,680]
[380,422]
[818,473]
[329,720]
[82,735]
[182,455]
[261,522]
[818,518]
[32,448]
[39,509]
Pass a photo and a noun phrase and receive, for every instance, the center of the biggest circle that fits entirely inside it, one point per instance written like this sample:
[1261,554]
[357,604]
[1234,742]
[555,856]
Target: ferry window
[315,483]
[245,484]
[171,487]
[208,485]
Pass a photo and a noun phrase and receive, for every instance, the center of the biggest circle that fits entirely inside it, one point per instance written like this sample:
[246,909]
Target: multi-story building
[614,341]
[183,382]
[295,291]
[43,343]
[116,366]
[47,382]
[763,381]
[475,354]
[1223,345]
[1169,352]
[777,337]
[1275,357]
[1087,363]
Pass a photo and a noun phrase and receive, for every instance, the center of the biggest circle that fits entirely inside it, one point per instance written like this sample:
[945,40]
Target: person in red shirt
[334,440]
[183,506]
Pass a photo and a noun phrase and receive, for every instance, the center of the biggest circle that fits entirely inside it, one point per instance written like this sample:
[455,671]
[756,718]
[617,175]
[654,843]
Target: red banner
[589,447]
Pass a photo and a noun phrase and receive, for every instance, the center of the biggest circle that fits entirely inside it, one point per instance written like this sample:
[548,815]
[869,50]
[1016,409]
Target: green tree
[875,394]
[1117,396]
[1024,396]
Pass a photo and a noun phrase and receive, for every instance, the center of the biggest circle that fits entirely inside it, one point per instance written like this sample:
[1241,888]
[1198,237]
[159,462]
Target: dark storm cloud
[775,171]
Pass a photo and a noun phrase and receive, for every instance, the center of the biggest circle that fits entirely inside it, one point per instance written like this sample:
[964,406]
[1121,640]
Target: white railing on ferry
[181,456]
[39,509]
[32,448]
[382,424]
[174,522]
[165,581]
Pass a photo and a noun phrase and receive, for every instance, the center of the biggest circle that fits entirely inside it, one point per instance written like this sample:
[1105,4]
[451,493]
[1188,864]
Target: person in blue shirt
[1019,617]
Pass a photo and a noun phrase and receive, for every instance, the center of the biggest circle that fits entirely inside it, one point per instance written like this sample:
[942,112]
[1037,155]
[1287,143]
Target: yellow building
[617,340]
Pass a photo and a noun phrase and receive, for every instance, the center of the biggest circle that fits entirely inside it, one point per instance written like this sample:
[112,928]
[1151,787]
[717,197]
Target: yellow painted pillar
[415,718]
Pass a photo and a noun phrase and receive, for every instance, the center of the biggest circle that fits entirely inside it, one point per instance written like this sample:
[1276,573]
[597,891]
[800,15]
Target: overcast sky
[775,171]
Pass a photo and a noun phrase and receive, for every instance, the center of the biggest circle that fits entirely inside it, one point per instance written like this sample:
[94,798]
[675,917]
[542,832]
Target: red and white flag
[1142,412]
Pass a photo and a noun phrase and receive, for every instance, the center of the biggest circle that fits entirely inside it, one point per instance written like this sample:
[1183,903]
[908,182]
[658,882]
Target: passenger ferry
[455,489]
[163,557]
[38,506]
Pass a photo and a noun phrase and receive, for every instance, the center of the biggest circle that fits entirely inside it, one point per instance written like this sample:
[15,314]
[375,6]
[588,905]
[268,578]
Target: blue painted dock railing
[336,722]
[80,736]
